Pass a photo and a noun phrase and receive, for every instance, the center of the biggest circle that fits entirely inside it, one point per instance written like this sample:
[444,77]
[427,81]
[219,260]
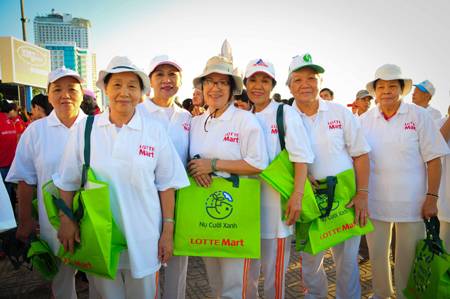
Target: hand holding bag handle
[234,178]
[87,160]
[432,227]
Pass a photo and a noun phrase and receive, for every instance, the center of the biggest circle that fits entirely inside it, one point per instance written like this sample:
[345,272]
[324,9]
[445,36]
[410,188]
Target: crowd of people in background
[398,151]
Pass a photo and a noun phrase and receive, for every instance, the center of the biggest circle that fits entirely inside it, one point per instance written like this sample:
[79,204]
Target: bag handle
[280,126]
[432,230]
[234,178]
[329,191]
[84,172]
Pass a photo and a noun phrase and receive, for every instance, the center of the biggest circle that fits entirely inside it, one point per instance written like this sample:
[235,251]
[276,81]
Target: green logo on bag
[218,205]
[322,201]
[422,271]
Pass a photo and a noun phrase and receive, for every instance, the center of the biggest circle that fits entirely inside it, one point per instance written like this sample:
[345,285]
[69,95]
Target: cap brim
[260,70]
[317,67]
[237,80]
[406,89]
[103,73]
[421,87]
[79,79]
[166,62]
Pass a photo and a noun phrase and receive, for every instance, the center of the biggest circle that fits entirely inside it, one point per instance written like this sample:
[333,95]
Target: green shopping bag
[336,224]
[34,209]
[430,274]
[222,220]
[42,257]
[101,240]
[280,175]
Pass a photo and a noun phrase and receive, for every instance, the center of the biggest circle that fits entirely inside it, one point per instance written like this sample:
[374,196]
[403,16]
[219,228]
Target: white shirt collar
[323,106]
[135,123]
[401,110]
[152,107]
[269,110]
[54,121]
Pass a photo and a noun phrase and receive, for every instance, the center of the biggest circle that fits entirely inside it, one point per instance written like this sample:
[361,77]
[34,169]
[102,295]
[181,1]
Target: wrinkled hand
[68,231]
[361,203]
[165,247]
[198,111]
[25,229]
[197,167]
[203,180]
[313,182]
[429,208]
[294,208]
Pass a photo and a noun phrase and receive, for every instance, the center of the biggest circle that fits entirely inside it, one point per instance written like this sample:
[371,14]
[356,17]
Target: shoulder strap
[280,126]
[87,149]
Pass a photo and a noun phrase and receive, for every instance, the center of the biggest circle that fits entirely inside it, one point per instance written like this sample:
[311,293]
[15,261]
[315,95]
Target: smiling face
[259,86]
[165,81]
[197,98]
[65,95]
[388,93]
[124,92]
[305,84]
[217,97]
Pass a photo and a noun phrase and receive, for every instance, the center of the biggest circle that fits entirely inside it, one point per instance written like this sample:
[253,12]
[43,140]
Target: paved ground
[25,284]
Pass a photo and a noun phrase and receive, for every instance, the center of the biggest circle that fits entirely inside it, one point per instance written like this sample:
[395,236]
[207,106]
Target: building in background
[68,39]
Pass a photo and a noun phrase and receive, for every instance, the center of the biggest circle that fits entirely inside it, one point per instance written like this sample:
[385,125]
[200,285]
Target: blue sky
[349,38]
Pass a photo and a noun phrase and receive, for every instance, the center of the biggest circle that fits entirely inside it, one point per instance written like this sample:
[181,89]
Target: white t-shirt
[136,162]
[177,126]
[335,137]
[299,149]
[444,189]
[436,114]
[38,156]
[357,116]
[400,149]
[235,135]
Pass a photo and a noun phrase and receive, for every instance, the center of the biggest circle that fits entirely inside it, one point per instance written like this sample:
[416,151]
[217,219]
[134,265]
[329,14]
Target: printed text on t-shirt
[410,126]
[231,137]
[274,129]
[148,151]
[185,127]
[334,124]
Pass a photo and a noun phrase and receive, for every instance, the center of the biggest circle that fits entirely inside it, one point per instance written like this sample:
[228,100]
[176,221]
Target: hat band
[123,67]
[218,66]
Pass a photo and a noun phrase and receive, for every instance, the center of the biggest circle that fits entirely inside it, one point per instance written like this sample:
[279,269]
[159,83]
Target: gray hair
[288,81]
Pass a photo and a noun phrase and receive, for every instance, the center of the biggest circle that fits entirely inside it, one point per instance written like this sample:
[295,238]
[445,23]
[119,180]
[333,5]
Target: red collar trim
[386,117]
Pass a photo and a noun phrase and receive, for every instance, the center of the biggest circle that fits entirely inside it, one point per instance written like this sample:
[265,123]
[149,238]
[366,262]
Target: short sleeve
[297,141]
[431,143]
[353,135]
[253,146]
[23,167]
[169,172]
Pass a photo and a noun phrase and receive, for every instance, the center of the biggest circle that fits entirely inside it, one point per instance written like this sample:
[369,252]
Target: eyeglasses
[210,84]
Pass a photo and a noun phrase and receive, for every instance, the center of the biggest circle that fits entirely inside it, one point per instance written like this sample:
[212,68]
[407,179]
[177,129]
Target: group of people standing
[394,149]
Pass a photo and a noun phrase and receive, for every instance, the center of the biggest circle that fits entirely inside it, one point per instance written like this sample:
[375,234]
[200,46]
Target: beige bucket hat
[390,72]
[220,65]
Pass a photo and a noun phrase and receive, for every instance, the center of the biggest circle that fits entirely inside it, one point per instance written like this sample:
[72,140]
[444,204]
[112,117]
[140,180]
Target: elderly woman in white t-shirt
[244,155]
[405,172]
[336,139]
[135,156]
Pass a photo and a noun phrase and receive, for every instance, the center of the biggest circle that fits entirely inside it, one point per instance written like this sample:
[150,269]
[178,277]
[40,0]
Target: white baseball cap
[304,60]
[426,86]
[121,64]
[389,72]
[162,59]
[260,65]
[62,72]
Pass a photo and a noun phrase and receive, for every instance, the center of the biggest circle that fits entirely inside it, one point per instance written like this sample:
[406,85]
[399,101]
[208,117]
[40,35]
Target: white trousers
[175,277]
[125,286]
[63,285]
[228,277]
[445,234]
[274,262]
[408,236]
[345,257]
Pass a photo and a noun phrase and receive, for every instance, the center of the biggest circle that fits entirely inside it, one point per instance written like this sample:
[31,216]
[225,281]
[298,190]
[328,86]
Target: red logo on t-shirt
[274,129]
[410,126]
[185,127]
[334,124]
[231,137]
[148,151]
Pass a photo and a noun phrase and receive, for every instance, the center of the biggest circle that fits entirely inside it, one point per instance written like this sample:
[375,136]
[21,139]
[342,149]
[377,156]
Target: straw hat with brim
[390,72]
[219,65]
[121,64]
